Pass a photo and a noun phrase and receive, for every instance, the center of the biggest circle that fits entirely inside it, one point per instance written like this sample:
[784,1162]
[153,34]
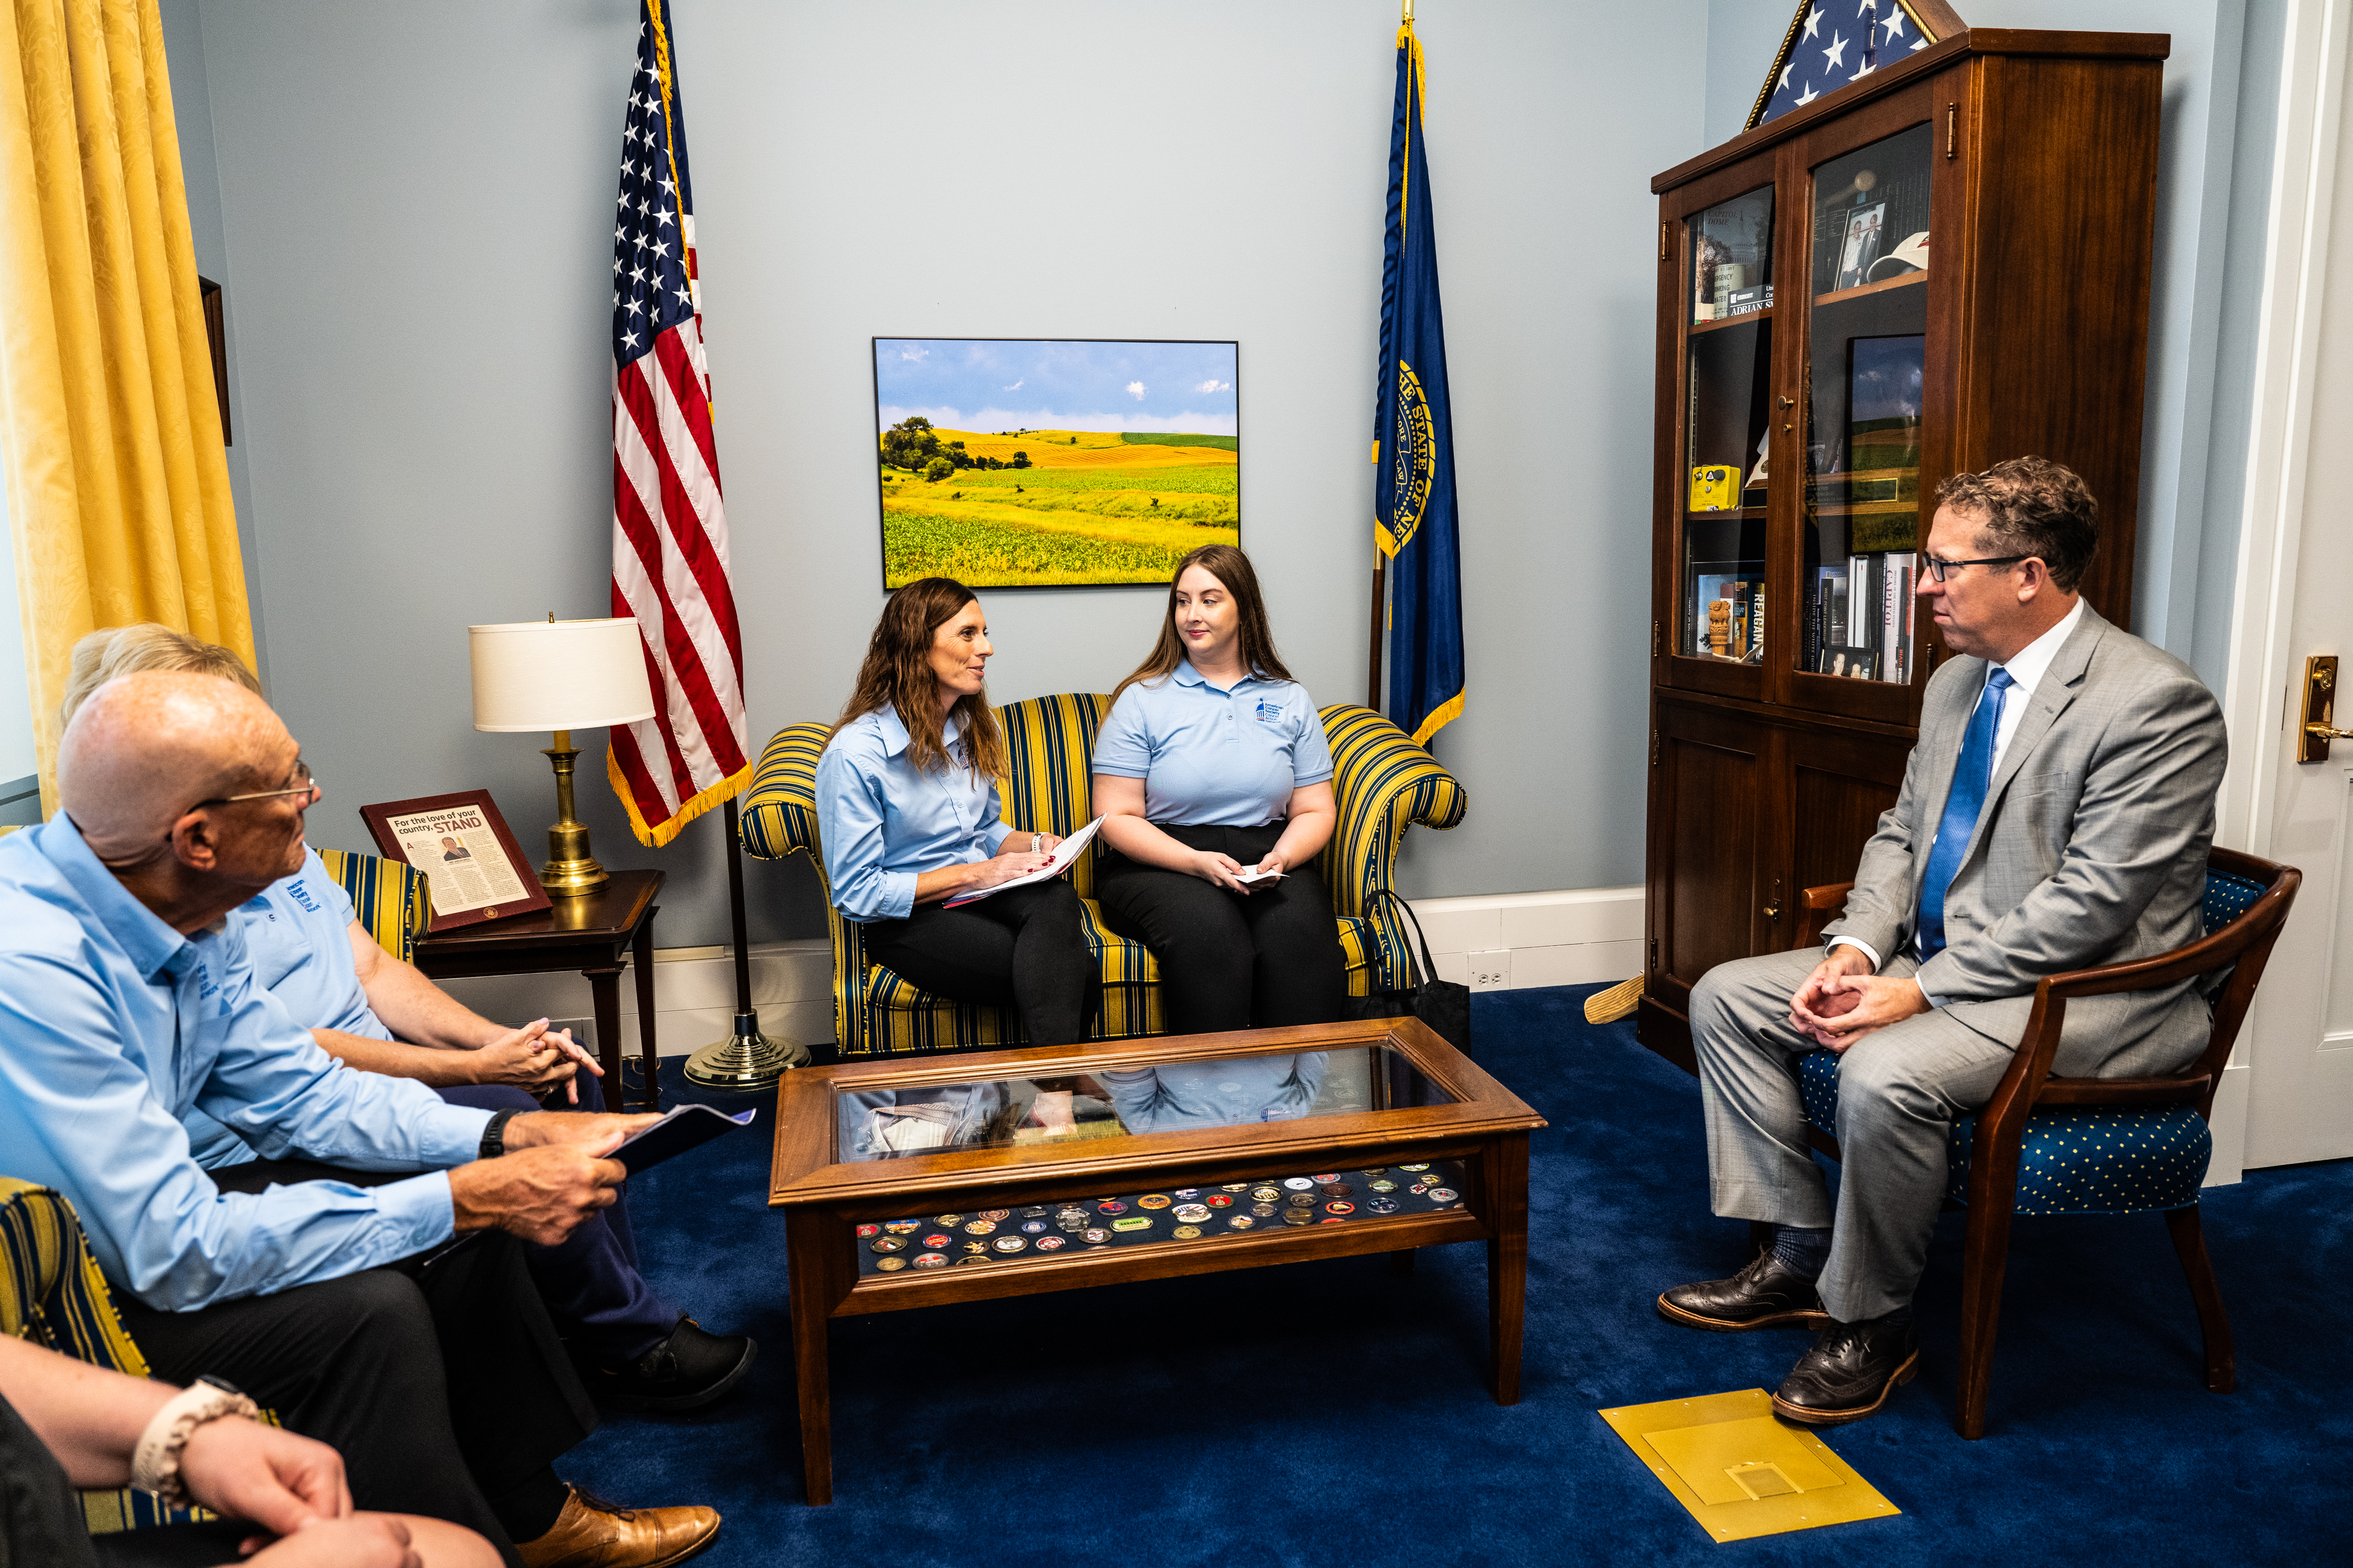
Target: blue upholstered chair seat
[2086,1159]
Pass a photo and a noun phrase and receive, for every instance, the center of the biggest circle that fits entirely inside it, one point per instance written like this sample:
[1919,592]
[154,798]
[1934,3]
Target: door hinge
[1656,637]
[1662,239]
[1654,748]
[1654,955]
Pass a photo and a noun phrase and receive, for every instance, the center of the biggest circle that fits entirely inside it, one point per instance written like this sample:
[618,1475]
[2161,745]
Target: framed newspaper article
[474,867]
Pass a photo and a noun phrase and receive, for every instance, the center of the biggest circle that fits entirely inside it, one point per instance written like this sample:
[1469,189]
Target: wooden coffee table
[1202,1141]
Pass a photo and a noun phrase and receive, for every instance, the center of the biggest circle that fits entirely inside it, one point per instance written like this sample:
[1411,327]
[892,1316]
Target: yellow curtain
[110,430]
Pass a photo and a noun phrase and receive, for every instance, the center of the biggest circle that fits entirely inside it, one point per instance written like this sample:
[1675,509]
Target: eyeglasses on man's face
[303,784]
[1941,570]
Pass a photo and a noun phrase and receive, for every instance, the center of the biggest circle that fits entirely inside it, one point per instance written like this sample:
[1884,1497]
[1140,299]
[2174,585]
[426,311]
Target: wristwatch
[494,1136]
[155,1462]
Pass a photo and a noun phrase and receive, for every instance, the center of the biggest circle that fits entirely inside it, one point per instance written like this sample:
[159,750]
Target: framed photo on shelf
[474,867]
[1865,234]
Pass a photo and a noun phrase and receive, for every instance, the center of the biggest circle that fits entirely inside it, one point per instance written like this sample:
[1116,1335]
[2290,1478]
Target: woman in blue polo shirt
[907,809]
[1212,768]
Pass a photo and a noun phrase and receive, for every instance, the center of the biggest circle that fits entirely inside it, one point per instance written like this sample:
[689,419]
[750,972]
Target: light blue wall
[2214,157]
[415,202]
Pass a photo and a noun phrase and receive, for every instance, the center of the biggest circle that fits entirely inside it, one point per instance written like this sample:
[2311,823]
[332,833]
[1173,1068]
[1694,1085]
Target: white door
[2295,599]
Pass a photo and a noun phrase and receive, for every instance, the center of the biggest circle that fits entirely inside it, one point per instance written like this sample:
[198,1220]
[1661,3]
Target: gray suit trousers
[1900,1090]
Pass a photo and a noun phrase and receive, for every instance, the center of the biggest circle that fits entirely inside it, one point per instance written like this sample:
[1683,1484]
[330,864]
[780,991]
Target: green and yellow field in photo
[1083,506]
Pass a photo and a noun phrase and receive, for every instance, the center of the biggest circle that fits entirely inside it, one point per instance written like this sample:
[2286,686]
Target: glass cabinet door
[1866,343]
[1726,419]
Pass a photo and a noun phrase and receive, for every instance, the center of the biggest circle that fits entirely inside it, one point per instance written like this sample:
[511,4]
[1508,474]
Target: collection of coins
[1180,1214]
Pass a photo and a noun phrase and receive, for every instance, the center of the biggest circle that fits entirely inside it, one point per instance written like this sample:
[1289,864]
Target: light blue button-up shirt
[112,1024]
[296,935]
[884,821]
[1210,758]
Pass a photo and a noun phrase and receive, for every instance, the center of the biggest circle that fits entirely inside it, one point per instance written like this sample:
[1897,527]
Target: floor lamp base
[746,1061]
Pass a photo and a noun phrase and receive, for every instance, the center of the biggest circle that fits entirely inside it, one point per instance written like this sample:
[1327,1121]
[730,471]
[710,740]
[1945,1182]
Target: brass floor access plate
[1740,1470]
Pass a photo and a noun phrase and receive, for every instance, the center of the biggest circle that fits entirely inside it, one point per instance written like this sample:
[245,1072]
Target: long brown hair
[897,675]
[1231,568]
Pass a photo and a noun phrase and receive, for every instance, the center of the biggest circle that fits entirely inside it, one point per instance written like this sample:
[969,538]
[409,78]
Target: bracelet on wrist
[155,1462]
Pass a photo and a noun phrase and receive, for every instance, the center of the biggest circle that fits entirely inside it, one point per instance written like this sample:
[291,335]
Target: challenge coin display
[1269,1205]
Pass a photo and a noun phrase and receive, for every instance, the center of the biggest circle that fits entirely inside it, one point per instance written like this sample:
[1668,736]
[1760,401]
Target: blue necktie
[1972,776]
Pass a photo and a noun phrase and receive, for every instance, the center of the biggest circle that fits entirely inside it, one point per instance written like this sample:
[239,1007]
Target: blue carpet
[1329,1412]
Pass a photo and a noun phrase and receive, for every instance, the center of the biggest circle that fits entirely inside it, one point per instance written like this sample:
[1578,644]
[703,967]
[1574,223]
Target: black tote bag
[1442,1005]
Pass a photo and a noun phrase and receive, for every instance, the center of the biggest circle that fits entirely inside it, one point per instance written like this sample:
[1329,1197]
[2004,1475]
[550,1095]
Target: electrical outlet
[1492,970]
[584,1031]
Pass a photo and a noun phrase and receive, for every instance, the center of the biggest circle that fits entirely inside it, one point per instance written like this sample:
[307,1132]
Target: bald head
[142,750]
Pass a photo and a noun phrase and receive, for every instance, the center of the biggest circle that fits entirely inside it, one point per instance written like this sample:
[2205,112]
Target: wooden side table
[592,934]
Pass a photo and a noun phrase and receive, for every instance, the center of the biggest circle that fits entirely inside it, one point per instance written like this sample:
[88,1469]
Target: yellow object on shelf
[1714,487]
[1741,1470]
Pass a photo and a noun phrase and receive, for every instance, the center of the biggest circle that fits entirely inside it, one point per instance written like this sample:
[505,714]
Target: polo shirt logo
[1269,712]
[302,896]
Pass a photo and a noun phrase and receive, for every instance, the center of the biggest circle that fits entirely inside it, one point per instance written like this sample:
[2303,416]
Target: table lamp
[561,676]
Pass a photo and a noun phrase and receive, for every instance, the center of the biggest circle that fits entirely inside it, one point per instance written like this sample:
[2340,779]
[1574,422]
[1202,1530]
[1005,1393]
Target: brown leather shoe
[593,1533]
[1767,1294]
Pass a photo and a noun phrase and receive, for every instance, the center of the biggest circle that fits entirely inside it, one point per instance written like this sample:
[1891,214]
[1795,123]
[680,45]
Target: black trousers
[1230,961]
[441,1382]
[1022,948]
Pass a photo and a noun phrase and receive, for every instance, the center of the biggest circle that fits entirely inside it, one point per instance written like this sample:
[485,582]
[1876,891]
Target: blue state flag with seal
[1414,522]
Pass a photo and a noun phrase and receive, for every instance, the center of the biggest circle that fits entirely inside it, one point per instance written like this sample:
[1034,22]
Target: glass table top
[1180,1096]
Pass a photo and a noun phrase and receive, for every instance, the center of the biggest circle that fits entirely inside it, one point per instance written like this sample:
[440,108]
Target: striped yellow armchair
[1385,783]
[389,898]
[52,1293]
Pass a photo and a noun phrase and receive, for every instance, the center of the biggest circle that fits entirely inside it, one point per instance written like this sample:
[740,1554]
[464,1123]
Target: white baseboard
[1578,937]
[1573,938]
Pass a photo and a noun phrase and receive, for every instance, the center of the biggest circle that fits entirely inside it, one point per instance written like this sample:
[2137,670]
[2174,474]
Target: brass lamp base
[571,872]
[746,1061]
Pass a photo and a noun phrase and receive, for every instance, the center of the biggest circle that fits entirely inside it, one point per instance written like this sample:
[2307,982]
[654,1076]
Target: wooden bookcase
[2030,159]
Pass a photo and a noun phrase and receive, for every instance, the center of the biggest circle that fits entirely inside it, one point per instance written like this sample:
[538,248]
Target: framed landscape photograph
[1054,462]
[474,868]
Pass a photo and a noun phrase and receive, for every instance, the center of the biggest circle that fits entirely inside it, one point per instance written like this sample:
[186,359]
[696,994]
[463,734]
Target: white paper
[1058,860]
[1246,877]
[461,859]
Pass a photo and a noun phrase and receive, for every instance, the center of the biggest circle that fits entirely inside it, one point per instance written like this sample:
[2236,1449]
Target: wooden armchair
[2046,1145]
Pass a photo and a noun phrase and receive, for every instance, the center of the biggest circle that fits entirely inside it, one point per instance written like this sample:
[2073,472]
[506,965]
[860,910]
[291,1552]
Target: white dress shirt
[2027,668]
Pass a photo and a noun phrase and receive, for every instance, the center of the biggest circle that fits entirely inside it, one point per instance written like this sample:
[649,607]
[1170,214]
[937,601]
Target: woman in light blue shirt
[1214,782]
[907,809]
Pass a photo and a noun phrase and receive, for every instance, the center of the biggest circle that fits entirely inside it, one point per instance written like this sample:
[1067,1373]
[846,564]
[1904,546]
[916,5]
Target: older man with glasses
[2055,815]
[128,996]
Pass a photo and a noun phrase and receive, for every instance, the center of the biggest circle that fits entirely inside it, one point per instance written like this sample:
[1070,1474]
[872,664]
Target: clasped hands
[1843,1000]
[534,1057]
[554,1174]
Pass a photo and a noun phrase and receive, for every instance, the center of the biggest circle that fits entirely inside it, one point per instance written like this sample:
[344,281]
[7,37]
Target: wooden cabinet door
[1836,783]
[1709,817]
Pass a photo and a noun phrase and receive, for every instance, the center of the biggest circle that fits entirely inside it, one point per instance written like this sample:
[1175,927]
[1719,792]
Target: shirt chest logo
[1269,712]
[302,896]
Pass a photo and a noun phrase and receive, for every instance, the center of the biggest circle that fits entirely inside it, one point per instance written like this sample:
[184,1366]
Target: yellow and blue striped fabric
[389,896]
[52,1294]
[1383,781]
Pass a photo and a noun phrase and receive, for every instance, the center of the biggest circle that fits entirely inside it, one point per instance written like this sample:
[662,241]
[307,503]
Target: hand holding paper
[1064,857]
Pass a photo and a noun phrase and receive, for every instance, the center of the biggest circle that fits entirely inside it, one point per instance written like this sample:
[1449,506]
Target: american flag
[669,530]
[1829,49]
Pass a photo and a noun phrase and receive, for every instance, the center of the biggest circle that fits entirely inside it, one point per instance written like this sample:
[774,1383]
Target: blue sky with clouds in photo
[1035,383]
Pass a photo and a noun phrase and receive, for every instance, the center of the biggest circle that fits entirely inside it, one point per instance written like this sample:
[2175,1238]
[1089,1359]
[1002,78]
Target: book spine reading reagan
[1756,624]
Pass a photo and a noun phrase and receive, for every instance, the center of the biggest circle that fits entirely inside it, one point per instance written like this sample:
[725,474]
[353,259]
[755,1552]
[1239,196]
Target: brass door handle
[2323,733]
[2319,713]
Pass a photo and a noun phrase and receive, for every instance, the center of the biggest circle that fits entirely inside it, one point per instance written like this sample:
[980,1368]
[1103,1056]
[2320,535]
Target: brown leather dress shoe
[593,1533]
[1767,1294]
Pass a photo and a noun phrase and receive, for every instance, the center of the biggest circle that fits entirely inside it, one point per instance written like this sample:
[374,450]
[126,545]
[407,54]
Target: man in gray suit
[2055,814]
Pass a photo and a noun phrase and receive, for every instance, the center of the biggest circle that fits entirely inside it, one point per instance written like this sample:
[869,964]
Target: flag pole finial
[1408,12]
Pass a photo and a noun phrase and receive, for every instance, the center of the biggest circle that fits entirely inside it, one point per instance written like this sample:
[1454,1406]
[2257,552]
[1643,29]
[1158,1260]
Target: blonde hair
[116,651]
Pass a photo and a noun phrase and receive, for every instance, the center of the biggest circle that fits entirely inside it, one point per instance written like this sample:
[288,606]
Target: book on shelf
[1895,625]
[1755,623]
[1742,301]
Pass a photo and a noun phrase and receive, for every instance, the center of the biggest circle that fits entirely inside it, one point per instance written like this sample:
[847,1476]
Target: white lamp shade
[559,675]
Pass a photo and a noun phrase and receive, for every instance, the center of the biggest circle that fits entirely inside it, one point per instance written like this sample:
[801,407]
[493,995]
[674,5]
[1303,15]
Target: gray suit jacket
[2091,848]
